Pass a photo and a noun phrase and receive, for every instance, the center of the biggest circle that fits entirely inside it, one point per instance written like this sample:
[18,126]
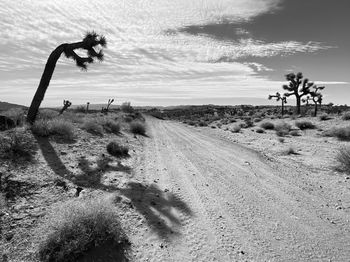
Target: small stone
[63,153]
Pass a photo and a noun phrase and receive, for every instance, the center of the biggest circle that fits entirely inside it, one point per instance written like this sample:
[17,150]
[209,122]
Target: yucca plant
[89,42]
[281,98]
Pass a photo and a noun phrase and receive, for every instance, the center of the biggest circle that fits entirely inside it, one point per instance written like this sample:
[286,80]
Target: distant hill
[6,106]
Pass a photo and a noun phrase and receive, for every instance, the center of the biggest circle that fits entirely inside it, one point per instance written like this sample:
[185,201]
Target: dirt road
[204,198]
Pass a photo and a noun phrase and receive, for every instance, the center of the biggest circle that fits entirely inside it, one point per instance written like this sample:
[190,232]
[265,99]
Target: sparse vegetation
[346,116]
[302,125]
[343,159]
[324,117]
[138,128]
[267,125]
[342,133]
[282,128]
[78,226]
[54,127]
[93,127]
[111,126]
[117,150]
[17,145]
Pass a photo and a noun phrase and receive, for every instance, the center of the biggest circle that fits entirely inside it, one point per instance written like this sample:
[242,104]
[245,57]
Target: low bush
[47,114]
[16,114]
[260,130]
[138,128]
[282,128]
[304,125]
[114,149]
[346,116]
[202,123]
[324,117]
[93,127]
[17,145]
[342,133]
[126,107]
[54,127]
[267,125]
[236,128]
[343,159]
[111,126]
[294,133]
[78,226]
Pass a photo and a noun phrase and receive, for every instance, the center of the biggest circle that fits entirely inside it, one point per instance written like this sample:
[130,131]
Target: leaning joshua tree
[278,97]
[89,43]
[297,87]
[317,97]
[66,104]
[105,110]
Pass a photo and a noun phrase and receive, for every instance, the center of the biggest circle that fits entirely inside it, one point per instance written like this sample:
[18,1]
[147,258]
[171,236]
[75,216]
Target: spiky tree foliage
[66,104]
[316,97]
[105,110]
[297,87]
[89,43]
[87,107]
[281,98]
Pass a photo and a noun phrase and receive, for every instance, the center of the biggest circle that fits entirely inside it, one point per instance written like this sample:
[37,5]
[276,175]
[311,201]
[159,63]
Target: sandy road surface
[212,200]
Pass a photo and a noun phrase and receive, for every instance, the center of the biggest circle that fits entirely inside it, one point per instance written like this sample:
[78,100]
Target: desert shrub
[138,128]
[294,133]
[61,128]
[267,125]
[248,123]
[73,117]
[342,133]
[16,114]
[282,128]
[343,159]
[47,114]
[117,150]
[93,127]
[235,128]
[126,107]
[324,117]
[111,126]
[80,109]
[260,130]
[78,226]
[17,145]
[41,128]
[202,123]
[346,116]
[304,125]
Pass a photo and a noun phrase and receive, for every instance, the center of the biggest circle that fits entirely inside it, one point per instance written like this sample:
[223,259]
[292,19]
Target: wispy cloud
[141,60]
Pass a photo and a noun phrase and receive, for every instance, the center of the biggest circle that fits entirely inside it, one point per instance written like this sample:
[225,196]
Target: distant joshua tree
[281,98]
[87,107]
[66,104]
[105,110]
[297,87]
[317,97]
[89,42]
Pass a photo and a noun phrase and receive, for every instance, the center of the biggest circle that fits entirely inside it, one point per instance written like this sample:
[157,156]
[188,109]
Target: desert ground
[188,192]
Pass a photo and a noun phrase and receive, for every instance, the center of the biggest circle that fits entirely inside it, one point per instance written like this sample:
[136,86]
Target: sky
[176,52]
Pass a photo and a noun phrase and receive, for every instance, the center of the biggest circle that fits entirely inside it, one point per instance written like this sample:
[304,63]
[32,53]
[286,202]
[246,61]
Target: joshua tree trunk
[298,98]
[44,83]
[282,107]
[315,109]
[89,42]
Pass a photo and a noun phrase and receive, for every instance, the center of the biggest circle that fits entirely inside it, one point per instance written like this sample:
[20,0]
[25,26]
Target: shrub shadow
[162,210]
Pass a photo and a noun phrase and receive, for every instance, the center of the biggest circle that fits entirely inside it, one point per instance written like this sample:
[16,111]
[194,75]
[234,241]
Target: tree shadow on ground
[51,157]
[91,176]
[163,211]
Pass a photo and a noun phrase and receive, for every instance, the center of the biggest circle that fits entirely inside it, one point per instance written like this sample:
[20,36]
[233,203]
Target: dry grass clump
[137,128]
[324,117]
[282,128]
[346,116]
[76,227]
[47,114]
[111,126]
[16,114]
[343,159]
[117,150]
[304,125]
[54,127]
[342,133]
[17,145]
[267,125]
[294,133]
[93,127]
[236,128]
